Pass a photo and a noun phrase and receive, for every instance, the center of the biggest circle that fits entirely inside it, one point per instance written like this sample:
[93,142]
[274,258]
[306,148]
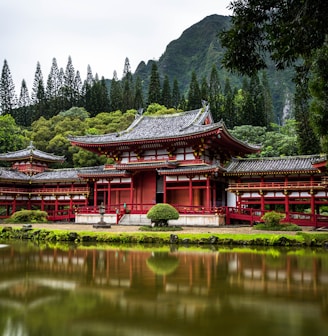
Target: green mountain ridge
[198,49]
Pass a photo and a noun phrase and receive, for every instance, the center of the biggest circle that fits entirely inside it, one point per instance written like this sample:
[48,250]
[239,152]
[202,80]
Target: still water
[65,290]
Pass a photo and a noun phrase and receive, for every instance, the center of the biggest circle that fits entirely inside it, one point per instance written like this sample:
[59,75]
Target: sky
[99,33]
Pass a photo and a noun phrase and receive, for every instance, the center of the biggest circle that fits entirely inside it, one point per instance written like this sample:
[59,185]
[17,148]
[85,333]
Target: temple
[184,159]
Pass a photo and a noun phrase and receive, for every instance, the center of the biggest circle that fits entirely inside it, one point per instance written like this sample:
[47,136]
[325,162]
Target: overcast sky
[99,33]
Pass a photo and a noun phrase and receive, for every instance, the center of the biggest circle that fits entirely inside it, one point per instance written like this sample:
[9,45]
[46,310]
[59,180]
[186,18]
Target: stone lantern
[102,223]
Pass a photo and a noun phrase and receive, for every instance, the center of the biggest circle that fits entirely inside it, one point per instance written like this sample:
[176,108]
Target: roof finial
[30,146]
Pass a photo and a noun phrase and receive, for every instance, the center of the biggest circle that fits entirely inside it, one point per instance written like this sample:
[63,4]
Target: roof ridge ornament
[31,146]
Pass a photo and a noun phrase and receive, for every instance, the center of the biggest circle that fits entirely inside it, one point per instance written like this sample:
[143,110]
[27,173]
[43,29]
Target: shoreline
[125,234]
[117,228]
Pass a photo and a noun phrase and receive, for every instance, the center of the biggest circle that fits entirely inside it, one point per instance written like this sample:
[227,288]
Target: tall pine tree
[138,94]
[228,116]
[214,94]
[23,116]
[115,94]
[8,99]
[38,94]
[68,89]
[307,140]
[154,89]
[166,99]
[127,84]
[176,96]
[53,90]
[194,95]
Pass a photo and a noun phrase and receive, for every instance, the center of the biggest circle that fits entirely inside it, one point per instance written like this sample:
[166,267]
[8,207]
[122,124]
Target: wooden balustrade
[45,191]
[297,185]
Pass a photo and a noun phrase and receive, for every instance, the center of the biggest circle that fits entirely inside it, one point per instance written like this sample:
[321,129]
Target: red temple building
[184,159]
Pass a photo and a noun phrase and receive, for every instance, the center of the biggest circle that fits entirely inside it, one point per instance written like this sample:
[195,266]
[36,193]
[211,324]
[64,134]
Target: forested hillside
[198,49]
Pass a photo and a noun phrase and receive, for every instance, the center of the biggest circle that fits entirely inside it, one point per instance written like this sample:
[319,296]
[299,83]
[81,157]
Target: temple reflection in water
[169,293]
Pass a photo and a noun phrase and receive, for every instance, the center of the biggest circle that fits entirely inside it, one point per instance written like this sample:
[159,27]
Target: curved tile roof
[13,175]
[69,174]
[156,127]
[30,152]
[272,164]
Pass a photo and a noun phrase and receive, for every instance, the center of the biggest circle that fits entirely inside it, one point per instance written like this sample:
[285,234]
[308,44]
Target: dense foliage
[160,213]
[272,218]
[28,216]
[290,33]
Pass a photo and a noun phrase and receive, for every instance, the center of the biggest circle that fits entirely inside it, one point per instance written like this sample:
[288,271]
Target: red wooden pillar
[86,195]
[95,193]
[14,205]
[56,204]
[262,200]
[42,202]
[190,191]
[312,202]
[71,202]
[208,193]
[164,189]
[238,201]
[312,193]
[108,194]
[286,193]
[131,192]
[214,191]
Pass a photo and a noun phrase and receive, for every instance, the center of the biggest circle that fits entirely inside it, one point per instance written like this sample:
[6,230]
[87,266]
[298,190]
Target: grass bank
[300,239]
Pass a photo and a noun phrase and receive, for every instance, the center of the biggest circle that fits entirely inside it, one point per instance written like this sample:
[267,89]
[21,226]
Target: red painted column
[312,202]
[312,193]
[190,191]
[131,192]
[95,193]
[286,193]
[14,205]
[164,188]
[108,194]
[214,191]
[208,193]
[262,200]
[42,203]
[56,205]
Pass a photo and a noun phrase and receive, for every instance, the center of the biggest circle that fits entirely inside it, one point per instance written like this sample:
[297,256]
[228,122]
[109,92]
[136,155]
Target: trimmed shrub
[272,219]
[28,216]
[160,213]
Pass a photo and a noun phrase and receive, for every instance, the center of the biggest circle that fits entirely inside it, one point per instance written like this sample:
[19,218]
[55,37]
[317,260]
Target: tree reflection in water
[106,291]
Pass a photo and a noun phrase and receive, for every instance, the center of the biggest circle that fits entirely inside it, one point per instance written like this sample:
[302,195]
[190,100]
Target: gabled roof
[30,152]
[175,128]
[273,165]
[155,127]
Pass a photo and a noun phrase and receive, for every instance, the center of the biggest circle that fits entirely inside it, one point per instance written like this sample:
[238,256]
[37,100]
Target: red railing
[143,209]
[65,215]
[65,190]
[276,185]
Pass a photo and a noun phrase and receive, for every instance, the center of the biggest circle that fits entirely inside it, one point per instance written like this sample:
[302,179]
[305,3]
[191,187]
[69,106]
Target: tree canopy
[285,33]
[283,30]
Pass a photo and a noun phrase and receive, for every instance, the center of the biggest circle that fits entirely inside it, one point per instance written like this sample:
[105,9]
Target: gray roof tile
[12,175]
[29,152]
[156,127]
[273,164]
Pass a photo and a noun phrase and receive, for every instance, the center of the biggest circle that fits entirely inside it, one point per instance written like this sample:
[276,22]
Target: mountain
[197,49]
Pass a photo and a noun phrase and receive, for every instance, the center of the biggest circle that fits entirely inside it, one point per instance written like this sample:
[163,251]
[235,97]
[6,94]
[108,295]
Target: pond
[108,290]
